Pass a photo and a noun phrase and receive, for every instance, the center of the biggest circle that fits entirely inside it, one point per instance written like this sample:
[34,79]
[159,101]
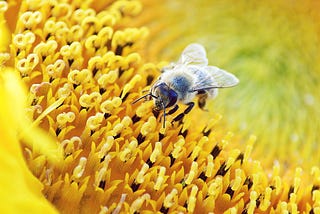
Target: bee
[189,77]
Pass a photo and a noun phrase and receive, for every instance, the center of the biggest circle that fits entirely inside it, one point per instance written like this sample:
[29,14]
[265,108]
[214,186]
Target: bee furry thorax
[181,81]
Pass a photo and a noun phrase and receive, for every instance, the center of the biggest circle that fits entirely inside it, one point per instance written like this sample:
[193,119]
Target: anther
[157,151]
[171,198]
[193,172]
[79,169]
[136,204]
[129,151]
[210,166]
[192,199]
[140,176]
[160,178]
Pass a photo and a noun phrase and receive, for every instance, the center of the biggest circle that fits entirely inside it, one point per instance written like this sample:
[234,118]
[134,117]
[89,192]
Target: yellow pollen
[126,121]
[133,58]
[252,203]
[143,109]
[210,166]
[232,210]
[277,184]
[284,207]
[64,91]
[149,126]
[95,121]
[171,198]
[79,77]
[196,151]
[117,129]
[24,40]
[107,106]
[157,151]
[236,183]
[90,100]
[104,210]
[96,62]
[46,50]
[192,199]
[265,203]
[106,146]
[177,148]
[65,117]
[108,78]
[215,187]
[193,172]
[140,177]
[101,174]
[129,151]
[160,178]
[79,169]
[26,65]
[136,205]
[30,19]
[118,208]
[71,145]
[292,205]
[234,154]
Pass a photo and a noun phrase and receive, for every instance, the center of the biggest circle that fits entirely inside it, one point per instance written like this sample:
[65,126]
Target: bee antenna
[144,96]
[164,117]
[164,113]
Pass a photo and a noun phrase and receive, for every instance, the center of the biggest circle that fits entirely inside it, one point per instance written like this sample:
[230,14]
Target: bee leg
[189,108]
[202,101]
[174,109]
[180,116]
[155,112]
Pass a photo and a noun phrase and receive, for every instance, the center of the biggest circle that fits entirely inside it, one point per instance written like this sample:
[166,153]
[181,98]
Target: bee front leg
[174,109]
[180,116]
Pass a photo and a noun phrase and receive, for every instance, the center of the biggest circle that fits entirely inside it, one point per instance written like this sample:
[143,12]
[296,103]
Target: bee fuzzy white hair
[182,81]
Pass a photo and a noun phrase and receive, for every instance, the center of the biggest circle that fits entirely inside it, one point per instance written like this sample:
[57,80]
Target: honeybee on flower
[189,77]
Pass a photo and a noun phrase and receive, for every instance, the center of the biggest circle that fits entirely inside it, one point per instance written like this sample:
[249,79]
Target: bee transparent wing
[223,79]
[194,54]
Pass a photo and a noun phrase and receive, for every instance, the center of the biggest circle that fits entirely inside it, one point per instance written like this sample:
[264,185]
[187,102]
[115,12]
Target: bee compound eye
[173,97]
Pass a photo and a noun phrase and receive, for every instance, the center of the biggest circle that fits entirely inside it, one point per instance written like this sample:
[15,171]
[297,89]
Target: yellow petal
[20,190]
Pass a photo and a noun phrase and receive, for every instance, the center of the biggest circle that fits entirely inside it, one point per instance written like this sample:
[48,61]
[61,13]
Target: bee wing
[194,54]
[223,79]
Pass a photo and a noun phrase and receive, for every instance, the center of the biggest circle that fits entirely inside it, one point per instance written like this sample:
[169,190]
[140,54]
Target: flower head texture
[74,142]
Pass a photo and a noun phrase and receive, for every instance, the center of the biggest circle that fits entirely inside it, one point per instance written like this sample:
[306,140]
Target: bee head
[165,96]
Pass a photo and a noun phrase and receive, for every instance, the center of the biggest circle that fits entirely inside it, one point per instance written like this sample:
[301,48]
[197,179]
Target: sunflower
[74,142]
